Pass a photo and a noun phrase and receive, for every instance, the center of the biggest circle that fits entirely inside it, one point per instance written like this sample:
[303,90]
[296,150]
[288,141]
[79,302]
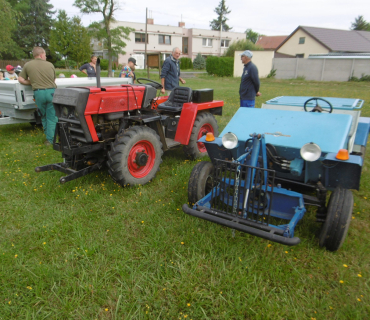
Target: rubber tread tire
[198,180]
[120,149]
[335,227]
[191,150]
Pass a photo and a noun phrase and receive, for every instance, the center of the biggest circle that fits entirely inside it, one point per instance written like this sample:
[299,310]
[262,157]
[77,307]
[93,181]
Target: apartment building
[162,39]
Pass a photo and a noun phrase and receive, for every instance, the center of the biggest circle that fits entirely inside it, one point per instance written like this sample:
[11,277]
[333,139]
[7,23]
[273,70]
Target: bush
[272,73]
[104,64]
[241,45]
[220,66]
[63,64]
[199,62]
[363,78]
[186,63]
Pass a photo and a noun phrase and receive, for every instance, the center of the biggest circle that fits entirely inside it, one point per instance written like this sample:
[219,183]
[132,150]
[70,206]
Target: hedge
[220,66]
[186,63]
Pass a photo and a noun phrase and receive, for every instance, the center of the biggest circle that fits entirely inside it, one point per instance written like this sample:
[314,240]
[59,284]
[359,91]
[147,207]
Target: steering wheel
[317,108]
[152,83]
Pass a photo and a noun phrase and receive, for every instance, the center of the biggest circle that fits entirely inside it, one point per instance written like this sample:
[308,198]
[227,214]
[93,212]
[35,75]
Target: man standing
[250,83]
[40,74]
[10,73]
[170,75]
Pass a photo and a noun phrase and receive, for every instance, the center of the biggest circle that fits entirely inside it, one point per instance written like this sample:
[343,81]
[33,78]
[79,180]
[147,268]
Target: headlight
[229,140]
[310,152]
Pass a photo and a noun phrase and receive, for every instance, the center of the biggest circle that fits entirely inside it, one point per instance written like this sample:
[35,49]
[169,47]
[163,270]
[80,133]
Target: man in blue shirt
[250,83]
[170,75]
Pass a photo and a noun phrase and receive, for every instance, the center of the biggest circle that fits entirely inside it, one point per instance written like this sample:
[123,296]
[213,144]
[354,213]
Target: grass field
[90,249]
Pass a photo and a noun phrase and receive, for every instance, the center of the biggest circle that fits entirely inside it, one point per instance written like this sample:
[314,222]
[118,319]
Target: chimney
[181,24]
[150,21]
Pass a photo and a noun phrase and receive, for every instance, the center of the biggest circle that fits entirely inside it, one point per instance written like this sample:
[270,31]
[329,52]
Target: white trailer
[17,103]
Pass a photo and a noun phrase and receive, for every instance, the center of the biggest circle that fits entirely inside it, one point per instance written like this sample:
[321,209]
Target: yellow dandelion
[182,242]
[360,275]
[345,266]
[10,302]
[44,243]
[341,281]
[189,304]
[286,252]
[29,288]
[358,299]
[269,245]
[353,217]
[106,309]
[142,221]
[16,256]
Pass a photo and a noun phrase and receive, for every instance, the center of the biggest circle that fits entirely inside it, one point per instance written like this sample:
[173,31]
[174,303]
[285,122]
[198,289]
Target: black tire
[200,181]
[335,227]
[136,145]
[204,122]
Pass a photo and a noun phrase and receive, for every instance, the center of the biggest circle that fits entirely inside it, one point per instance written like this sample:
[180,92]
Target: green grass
[90,249]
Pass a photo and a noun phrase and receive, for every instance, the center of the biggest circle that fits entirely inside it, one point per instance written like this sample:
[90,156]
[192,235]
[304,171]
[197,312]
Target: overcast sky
[269,17]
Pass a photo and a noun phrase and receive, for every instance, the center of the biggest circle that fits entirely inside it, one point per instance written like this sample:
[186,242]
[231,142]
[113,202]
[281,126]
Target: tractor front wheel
[200,181]
[135,156]
[335,227]
[204,122]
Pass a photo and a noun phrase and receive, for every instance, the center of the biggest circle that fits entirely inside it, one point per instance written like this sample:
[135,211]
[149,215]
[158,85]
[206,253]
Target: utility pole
[146,40]
[220,33]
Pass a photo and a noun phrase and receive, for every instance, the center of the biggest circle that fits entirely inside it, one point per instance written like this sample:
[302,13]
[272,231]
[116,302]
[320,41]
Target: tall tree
[34,28]
[60,36]
[8,21]
[360,24]
[112,38]
[221,11]
[69,39]
[80,41]
[251,35]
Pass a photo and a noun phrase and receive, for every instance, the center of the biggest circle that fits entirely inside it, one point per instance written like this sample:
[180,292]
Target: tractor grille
[69,115]
[242,191]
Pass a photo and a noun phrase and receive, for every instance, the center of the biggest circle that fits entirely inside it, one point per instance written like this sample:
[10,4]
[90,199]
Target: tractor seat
[176,99]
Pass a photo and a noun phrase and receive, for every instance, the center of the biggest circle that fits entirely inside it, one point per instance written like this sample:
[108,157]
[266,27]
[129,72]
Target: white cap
[247,53]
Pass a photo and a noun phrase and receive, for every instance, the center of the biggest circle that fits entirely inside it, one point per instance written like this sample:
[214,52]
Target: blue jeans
[247,103]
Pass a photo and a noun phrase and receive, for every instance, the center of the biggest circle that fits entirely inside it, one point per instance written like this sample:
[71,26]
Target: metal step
[171,143]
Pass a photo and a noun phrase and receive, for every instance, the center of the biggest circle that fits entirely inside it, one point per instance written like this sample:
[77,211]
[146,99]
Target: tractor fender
[188,114]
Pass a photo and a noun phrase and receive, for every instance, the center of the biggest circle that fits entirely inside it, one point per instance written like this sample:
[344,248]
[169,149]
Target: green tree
[8,23]
[70,39]
[80,41]
[251,35]
[60,36]
[221,11]
[241,45]
[112,38]
[34,27]
[199,62]
[360,24]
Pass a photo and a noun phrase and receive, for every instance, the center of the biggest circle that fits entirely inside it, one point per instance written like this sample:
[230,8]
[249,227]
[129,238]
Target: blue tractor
[269,164]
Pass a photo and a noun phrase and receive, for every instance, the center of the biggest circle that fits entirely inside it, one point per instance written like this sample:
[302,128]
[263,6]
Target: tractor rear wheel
[200,181]
[135,156]
[335,227]
[204,122]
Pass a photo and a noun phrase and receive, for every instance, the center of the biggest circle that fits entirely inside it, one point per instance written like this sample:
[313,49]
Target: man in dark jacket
[170,75]
[250,83]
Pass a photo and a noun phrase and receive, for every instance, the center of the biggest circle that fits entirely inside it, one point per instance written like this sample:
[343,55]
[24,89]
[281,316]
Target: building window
[140,37]
[299,55]
[162,39]
[207,42]
[185,41]
[225,43]
[301,40]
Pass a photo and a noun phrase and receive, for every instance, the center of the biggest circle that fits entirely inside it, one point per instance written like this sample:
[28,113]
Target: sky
[268,17]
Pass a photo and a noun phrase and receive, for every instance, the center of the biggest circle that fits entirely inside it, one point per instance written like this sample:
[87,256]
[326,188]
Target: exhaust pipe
[98,84]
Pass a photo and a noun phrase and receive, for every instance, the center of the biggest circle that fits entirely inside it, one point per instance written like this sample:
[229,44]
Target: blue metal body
[282,134]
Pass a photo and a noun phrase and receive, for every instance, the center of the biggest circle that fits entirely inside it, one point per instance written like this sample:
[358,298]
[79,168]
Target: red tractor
[128,127]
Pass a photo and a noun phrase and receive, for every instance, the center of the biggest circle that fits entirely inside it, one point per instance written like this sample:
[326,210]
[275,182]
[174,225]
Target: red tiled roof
[270,42]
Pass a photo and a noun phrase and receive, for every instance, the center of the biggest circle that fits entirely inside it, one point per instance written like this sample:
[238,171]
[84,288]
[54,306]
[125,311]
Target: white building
[162,39]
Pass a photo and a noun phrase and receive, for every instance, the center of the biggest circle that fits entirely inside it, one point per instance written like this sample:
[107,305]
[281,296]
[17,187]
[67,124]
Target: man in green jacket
[40,74]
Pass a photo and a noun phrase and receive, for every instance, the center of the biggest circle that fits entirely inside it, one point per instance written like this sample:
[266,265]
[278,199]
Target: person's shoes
[47,143]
